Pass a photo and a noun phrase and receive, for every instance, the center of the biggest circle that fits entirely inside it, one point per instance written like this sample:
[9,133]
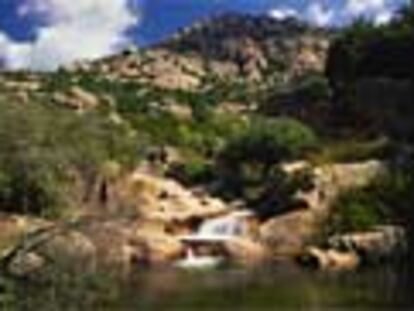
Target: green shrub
[249,164]
[352,151]
[357,210]
[204,138]
[313,88]
[364,50]
[388,199]
[46,150]
[268,141]
[193,172]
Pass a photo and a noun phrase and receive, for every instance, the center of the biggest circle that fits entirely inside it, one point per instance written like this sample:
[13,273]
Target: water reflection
[284,286]
[269,288]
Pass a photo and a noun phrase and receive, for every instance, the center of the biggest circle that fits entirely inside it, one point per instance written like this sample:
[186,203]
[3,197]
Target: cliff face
[255,43]
[227,46]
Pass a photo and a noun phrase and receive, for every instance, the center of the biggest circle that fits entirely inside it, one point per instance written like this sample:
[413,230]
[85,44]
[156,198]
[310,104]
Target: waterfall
[191,261]
[227,226]
[220,228]
[190,254]
[212,231]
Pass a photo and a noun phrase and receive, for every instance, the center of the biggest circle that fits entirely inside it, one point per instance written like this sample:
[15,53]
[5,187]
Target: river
[280,287]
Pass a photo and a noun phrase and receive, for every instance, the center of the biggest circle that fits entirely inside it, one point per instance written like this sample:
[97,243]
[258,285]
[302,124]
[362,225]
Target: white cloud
[74,30]
[383,17]
[317,14]
[283,13]
[378,10]
[12,55]
[357,7]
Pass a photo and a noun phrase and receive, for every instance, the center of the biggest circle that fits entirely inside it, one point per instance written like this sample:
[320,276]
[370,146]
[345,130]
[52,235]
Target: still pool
[277,288]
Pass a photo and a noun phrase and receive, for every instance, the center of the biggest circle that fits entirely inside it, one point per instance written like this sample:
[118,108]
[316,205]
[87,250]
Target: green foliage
[7,294]
[387,199]
[269,141]
[193,172]
[161,128]
[362,56]
[59,81]
[249,163]
[276,194]
[313,88]
[128,97]
[366,50]
[357,210]
[395,191]
[352,151]
[45,150]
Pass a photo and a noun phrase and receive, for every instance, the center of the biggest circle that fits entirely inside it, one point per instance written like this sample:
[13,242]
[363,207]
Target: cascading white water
[220,228]
[227,226]
[212,231]
[193,261]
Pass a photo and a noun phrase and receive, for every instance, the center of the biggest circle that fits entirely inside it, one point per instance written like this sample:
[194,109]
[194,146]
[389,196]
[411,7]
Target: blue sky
[43,34]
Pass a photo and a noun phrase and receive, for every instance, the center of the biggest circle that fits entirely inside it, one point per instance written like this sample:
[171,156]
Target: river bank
[164,223]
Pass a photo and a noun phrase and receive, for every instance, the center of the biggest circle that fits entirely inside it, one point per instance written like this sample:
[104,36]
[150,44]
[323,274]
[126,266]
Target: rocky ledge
[350,251]
[147,229]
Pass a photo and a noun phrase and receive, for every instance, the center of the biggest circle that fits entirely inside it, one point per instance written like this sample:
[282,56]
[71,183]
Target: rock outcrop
[353,250]
[168,201]
[288,233]
[329,260]
[246,252]
[225,46]
[162,210]
[87,245]
[384,243]
[253,43]
[77,98]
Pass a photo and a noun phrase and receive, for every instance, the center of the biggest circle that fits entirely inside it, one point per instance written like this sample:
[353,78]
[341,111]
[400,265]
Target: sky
[45,34]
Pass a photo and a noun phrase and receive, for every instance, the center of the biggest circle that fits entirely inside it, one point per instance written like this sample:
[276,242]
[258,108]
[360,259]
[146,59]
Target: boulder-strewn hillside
[255,43]
[228,61]
[226,46]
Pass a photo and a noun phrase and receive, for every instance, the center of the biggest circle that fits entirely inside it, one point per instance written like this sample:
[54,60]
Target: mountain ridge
[225,45]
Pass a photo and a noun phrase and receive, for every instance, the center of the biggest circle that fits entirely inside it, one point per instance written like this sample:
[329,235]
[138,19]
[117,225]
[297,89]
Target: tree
[249,163]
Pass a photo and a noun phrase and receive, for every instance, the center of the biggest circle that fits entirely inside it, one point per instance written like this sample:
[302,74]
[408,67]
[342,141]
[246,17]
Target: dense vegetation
[379,53]
[46,152]
[366,50]
[249,164]
[388,199]
[367,57]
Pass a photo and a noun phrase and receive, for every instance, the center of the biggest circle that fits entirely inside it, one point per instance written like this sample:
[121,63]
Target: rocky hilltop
[255,43]
[224,59]
[227,46]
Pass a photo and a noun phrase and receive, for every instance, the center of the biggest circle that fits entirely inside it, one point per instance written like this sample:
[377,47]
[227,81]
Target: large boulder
[349,251]
[124,243]
[26,265]
[289,233]
[245,251]
[166,200]
[89,244]
[14,227]
[52,250]
[383,243]
[156,248]
[286,235]
[77,98]
[330,260]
